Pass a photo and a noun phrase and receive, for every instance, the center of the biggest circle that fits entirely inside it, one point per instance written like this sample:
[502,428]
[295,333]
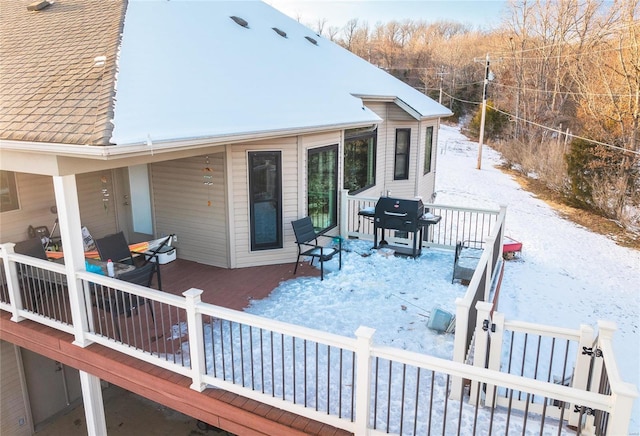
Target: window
[322,187]
[8,191]
[265,199]
[428,145]
[401,166]
[360,159]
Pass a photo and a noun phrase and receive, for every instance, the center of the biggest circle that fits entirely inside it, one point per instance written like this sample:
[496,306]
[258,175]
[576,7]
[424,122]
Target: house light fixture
[240,21]
[39,5]
[311,40]
[280,32]
[99,61]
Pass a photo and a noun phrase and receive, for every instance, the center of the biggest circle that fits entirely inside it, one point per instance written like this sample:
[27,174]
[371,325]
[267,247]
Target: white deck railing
[347,382]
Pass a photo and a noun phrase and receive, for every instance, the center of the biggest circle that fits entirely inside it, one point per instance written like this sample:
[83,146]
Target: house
[219,122]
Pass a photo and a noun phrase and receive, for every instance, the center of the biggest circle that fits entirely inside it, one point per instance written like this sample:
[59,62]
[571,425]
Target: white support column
[196,339]
[363,379]
[71,232]
[93,404]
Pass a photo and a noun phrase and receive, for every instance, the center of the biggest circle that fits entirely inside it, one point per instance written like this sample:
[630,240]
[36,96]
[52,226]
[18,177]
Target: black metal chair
[119,303]
[116,248]
[31,247]
[307,240]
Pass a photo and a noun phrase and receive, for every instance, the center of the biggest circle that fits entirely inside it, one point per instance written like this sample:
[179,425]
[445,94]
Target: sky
[565,276]
[481,14]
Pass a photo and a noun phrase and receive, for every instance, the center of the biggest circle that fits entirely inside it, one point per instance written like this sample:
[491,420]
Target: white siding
[37,196]
[13,401]
[426,182]
[100,221]
[385,158]
[194,212]
[239,192]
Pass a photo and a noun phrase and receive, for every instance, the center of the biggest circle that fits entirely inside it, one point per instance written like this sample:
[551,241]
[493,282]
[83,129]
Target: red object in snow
[510,247]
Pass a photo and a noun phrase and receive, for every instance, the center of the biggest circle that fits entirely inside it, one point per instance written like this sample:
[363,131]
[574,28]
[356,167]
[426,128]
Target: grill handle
[395,213]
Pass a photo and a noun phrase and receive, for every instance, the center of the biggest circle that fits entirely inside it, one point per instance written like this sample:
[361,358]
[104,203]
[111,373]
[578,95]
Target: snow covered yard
[565,276]
[394,295]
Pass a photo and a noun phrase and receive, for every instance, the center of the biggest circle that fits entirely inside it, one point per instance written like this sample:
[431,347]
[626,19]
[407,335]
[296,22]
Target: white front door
[133,193]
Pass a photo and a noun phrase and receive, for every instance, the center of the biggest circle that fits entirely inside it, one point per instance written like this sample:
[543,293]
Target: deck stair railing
[561,356]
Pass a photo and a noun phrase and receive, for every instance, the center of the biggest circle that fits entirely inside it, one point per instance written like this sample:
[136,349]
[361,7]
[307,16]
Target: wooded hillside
[563,95]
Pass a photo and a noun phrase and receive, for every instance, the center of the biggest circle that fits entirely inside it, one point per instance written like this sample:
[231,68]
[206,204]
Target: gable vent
[280,32]
[240,22]
[311,40]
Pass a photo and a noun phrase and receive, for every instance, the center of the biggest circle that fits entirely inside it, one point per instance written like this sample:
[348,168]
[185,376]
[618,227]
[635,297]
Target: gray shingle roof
[51,88]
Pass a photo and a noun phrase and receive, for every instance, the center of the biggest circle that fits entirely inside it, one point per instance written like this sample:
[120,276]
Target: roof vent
[240,22]
[311,40]
[280,32]
[39,5]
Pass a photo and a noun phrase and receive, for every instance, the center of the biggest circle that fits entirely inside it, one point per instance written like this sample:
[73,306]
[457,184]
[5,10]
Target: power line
[511,54]
[565,133]
[563,92]
[546,127]
[461,100]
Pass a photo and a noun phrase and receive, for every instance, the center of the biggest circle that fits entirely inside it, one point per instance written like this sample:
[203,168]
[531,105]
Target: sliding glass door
[322,187]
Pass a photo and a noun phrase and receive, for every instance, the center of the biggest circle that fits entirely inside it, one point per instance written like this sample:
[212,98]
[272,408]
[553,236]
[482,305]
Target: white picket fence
[347,382]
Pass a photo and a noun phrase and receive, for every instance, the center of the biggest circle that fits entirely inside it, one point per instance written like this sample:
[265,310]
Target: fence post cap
[365,332]
[192,293]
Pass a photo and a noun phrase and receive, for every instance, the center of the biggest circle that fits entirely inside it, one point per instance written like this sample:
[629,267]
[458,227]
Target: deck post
[495,353]
[583,363]
[13,286]
[363,379]
[196,338]
[482,342]
[460,343]
[622,394]
[344,214]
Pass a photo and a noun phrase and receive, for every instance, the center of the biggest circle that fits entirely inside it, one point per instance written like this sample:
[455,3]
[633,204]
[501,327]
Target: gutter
[105,152]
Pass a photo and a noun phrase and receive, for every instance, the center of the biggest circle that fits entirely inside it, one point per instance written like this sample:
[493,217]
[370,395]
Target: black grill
[398,214]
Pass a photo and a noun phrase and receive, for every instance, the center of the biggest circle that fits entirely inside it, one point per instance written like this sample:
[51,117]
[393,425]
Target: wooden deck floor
[229,288]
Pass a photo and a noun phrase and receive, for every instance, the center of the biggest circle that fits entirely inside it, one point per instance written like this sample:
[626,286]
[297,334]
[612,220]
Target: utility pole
[484,111]
[441,74]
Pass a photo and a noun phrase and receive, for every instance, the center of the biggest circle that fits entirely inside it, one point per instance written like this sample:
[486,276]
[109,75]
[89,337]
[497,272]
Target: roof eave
[404,106]
[168,145]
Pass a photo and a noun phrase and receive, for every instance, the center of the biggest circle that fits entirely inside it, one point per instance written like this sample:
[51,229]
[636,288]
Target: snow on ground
[565,276]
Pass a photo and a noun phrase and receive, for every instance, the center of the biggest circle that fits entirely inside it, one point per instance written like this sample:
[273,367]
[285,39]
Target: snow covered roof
[118,72]
[187,70]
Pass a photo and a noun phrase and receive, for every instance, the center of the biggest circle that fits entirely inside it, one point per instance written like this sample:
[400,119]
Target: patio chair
[116,248]
[118,303]
[31,247]
[307,240]
[465,260]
